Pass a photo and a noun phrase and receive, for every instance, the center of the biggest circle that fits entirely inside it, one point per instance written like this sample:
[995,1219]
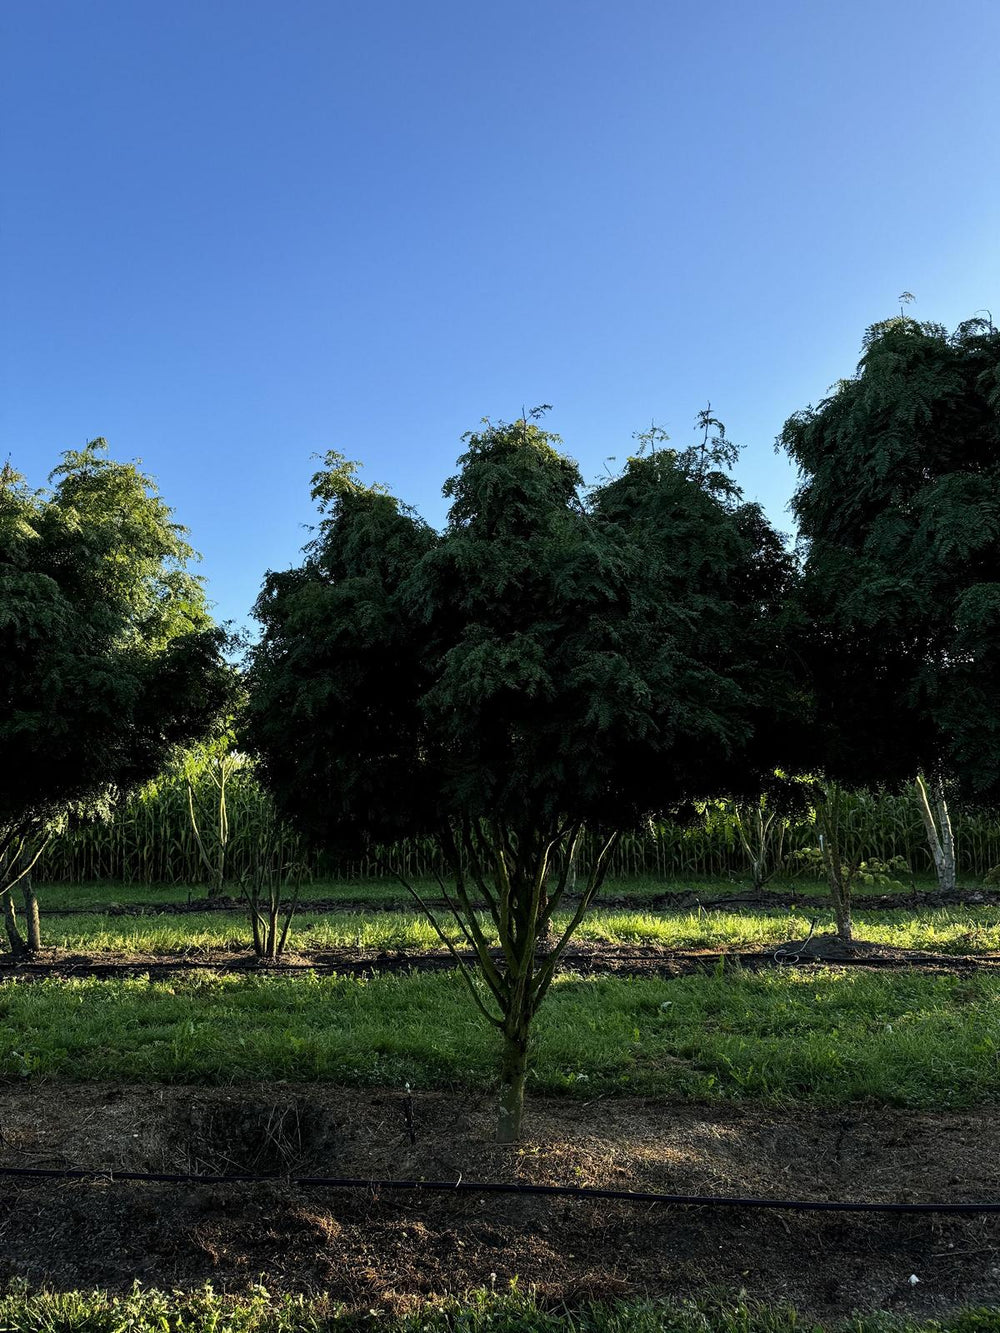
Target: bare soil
[585,959]
[392,1249]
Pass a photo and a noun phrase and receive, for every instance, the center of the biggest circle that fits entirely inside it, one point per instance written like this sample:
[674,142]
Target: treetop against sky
[242,234]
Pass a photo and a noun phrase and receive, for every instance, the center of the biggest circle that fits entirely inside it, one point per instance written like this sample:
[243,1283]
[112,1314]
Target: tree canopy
[110,657]
[555,659]
[899,512]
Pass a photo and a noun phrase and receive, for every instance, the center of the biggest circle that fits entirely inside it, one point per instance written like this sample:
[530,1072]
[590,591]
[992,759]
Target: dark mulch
[584,959]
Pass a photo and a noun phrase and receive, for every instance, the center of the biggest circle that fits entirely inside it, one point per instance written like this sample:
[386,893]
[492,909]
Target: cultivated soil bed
[584,958]
[393,1249]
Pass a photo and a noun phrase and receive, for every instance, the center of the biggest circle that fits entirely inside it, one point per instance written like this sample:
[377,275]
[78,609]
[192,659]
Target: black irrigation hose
[461,1186]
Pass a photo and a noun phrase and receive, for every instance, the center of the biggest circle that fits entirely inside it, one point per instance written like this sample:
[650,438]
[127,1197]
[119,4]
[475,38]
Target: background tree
[552,661]
[899,511]
[109,656]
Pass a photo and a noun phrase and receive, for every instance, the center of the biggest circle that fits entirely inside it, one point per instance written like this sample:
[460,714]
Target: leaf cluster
[899,512]
[555,655]
[110,657]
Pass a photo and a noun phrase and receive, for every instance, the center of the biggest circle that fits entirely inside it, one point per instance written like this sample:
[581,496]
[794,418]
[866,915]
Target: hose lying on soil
[461,1186]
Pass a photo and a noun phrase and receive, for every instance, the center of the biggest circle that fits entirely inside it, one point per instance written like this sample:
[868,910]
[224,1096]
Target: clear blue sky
[238,232]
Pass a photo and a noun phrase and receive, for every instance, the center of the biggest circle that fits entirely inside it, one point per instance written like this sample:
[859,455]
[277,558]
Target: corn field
[150,840]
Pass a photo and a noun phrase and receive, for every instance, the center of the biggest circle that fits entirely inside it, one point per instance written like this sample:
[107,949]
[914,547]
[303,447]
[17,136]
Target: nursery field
[684,1049]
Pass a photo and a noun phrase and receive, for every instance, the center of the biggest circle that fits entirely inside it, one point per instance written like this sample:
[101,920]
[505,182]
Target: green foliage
[871,874]
[899,512]
[146,1310]
[551,656]
[149,838]
[110,661]
[552,660]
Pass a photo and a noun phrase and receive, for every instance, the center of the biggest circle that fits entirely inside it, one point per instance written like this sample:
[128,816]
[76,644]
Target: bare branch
[466,974]
[28,868]
[597,874]
[555,898]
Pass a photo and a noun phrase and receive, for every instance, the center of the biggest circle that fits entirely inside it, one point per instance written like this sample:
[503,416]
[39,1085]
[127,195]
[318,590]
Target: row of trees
[558,658]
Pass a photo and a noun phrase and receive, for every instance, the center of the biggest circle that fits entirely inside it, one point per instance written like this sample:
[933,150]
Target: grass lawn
[940,930]
[388,891]
[482,1312]
[822,1038]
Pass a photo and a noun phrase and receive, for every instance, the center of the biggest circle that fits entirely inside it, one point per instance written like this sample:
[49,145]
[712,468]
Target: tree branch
[597,874]
[466,974]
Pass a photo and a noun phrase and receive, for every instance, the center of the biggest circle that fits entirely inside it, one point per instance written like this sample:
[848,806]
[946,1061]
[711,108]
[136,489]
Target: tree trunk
[937,826]
[842,912]
[32,918]
[512,1076]
[946,882]
[18,947]
[838,876]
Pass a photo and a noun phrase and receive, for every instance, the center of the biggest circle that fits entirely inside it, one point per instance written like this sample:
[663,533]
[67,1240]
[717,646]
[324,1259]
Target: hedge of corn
[151,840]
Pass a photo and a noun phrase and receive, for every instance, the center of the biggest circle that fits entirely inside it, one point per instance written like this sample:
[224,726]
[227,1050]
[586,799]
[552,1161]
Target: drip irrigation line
[461,1186]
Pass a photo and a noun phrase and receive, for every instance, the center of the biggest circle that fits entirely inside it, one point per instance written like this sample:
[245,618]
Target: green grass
[105,893]
[151,1311]
[821,1038]
[388,891]
[940,930]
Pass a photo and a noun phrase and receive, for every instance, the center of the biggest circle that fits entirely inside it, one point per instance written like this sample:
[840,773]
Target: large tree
[553,661]
[110,659]
[899,510]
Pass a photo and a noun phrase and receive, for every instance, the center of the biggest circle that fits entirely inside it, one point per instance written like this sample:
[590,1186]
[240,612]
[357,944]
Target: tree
[110,659]
[552,661]
[899,511]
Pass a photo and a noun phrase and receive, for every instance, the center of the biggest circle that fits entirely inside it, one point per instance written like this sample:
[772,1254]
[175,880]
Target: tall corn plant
[215,766]
[762,827]
[149,839]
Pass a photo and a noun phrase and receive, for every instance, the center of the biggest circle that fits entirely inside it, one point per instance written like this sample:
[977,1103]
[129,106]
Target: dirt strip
[386,1250]
[585,960]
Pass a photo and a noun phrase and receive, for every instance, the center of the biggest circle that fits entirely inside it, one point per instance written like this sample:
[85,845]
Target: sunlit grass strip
[784,1037]
[151,1311]
[939,930]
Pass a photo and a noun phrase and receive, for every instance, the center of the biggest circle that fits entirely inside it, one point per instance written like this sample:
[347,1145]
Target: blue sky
[238,233]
